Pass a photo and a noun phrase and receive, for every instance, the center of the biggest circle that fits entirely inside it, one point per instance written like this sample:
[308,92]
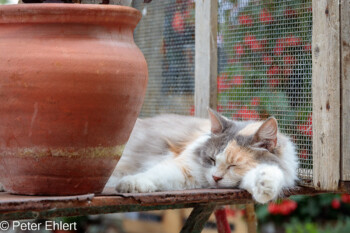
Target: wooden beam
[326,94]
[345,81]
[197,219]
[206,56]
[252,222]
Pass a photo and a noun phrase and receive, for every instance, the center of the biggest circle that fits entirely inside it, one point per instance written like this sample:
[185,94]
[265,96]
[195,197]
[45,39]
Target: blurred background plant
[306,214]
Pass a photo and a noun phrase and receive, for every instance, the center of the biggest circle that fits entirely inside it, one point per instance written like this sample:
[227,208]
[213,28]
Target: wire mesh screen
[265,65]
[166,37]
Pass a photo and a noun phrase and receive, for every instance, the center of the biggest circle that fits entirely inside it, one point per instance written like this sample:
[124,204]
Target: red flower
[230,212]
[274,70]
[255,101]
[265,17]
[285,207]
[267,59]
[273,82]
[304,154]
[178,23]
[245,20]
[290,13]
[272,73]
[280,44]
[345,198]
[222,82]
[233,60]
[246,114]
[237,80]
[187,14]
[273,208]
[292,41]
[252,43]
[306,128]
[287,71]
[307,48]
[335,204]
[232,105]
[192,110]
[264,43]
[289,60]
[220,108]
[239,49]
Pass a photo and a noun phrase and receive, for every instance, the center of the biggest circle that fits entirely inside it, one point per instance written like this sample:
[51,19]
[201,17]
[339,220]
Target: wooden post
[326,94]
[251,218]
[345,81]
[206,56]
[197,219]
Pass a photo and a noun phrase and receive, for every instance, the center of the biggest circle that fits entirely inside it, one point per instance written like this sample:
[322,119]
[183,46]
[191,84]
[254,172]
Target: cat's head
[235,147]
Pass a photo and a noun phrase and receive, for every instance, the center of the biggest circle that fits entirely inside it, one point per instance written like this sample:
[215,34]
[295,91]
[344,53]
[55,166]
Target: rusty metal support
[197,219]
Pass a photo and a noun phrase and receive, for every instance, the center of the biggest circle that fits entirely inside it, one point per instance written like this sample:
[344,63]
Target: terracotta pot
[72,85]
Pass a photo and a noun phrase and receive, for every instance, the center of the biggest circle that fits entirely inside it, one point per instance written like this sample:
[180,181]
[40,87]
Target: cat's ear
[266,136]
[217,121]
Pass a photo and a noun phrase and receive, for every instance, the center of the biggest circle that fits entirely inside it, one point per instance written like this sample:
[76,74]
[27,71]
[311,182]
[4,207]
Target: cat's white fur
[167,174]
[265,181]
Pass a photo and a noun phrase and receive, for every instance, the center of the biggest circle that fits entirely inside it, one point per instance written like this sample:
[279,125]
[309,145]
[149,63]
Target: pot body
[72,83]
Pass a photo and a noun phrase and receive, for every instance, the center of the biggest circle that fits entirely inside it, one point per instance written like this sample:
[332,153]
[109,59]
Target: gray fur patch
[217,143]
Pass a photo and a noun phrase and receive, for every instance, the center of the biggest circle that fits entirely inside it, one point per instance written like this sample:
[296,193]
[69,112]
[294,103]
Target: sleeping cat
[172,152]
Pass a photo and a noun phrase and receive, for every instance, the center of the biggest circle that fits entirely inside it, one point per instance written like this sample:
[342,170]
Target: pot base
[55,175]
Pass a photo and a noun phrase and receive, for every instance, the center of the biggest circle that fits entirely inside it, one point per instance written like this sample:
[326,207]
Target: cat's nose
[216,178]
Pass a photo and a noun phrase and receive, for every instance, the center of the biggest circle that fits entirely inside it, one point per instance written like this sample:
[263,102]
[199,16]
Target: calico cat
[172,152]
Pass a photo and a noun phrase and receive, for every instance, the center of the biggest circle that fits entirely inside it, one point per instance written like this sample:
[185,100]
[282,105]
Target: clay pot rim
[69,13]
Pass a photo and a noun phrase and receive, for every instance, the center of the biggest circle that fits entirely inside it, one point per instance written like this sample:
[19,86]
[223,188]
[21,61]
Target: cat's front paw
[268,184]
[135,184]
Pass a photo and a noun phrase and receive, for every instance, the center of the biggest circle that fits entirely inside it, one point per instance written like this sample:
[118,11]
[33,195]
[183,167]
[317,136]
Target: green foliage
[307,227]
[3,2]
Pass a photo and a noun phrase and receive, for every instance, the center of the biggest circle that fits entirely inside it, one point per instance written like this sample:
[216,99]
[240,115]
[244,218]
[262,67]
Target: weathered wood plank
[345,80]
[252,222]
[206,57]
[28,207]
[197,219]
[326,94]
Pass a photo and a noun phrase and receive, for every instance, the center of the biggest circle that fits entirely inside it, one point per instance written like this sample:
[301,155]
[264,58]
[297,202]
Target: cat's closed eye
[231,166]
[212,161]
